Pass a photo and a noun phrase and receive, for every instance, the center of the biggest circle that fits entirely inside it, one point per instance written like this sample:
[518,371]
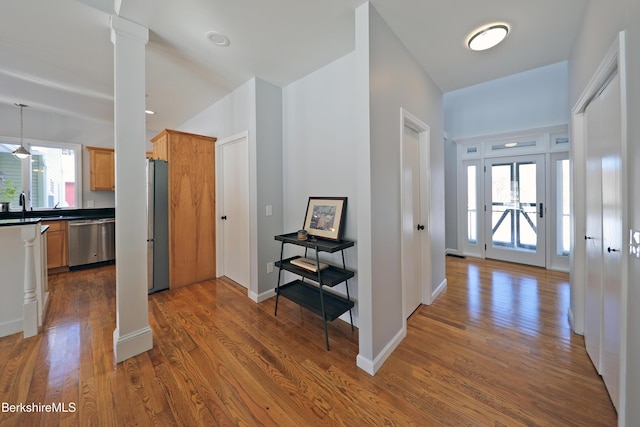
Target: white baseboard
[127,346]
[262,296]
[572,322]
[10,328]
[441,287]
[452,252]
[372,366]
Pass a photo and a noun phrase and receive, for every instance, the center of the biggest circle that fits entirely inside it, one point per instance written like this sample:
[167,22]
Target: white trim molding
[372,366]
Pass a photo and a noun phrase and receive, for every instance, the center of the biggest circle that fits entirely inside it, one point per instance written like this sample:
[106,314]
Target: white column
[132,335]
[30,305]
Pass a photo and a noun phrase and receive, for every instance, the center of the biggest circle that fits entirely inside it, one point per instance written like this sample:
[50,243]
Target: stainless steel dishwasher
[91,241]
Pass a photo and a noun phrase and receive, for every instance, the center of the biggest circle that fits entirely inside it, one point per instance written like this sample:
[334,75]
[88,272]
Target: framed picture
[325,217]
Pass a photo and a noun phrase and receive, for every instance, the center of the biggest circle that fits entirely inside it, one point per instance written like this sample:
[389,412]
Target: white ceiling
[56,55]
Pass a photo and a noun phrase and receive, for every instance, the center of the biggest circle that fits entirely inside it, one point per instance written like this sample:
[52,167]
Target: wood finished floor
[494,349]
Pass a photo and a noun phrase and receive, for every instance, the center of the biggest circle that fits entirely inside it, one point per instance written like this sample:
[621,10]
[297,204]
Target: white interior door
[593,237]
[515,209]
[412,225]
[234,209]
[610,131]
[604,229]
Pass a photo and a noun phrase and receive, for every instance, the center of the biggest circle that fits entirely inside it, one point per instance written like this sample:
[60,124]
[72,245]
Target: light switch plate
[269,210]
[634,243]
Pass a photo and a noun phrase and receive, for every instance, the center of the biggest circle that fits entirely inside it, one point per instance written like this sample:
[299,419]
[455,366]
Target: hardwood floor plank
[494,349]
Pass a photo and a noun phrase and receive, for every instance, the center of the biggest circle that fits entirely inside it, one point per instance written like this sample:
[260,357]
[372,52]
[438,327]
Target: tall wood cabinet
[192,232]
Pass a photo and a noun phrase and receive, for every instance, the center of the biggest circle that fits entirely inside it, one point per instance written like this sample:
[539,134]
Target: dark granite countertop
[18,221]
[57,215]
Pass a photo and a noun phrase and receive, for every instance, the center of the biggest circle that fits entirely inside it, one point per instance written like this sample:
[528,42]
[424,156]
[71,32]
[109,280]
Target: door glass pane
[527,207]
[514,206]
[472,205]
[502,205]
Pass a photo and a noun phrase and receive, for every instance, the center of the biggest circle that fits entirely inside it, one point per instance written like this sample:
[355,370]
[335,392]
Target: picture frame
[325,217]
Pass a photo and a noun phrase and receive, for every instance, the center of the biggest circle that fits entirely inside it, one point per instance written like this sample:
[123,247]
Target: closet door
[603,310]
[611,238]
[593,236]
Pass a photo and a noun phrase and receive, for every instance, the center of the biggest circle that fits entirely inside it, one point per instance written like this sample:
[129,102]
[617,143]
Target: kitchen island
[23,276]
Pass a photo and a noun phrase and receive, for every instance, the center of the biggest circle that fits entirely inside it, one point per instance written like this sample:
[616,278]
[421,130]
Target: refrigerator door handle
[149,265]
[150,197]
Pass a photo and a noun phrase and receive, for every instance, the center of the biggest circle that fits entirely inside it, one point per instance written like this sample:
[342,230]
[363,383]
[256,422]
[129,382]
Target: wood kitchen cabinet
[192,232]
[101,169]
[57,253]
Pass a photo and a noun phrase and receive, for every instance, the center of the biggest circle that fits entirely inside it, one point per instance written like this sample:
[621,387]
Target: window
[51,176]
[472,205]
[563,211]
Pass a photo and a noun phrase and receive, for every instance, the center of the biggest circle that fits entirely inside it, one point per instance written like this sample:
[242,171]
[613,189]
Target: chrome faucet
[23,203]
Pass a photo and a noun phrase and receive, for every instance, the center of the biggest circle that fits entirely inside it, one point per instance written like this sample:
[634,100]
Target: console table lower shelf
[308,296]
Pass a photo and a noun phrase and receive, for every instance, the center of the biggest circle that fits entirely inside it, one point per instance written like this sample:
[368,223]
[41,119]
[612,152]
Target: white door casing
[415,202]
[233,254]
[411,220]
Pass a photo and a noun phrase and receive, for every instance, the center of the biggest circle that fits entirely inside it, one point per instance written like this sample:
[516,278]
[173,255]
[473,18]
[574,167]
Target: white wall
[395,81]
[231,115]
[528,100]
[320,152]
[254,107]
[602,22]
[269,173]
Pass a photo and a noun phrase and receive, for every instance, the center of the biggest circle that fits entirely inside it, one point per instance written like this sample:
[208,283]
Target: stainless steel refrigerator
[158,225]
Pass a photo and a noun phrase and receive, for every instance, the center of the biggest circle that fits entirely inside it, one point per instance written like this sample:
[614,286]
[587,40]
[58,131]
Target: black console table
[310,295]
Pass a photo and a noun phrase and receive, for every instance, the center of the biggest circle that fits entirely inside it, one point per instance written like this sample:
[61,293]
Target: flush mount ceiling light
[488,37]
[21,152]
[217,38]
[149,112]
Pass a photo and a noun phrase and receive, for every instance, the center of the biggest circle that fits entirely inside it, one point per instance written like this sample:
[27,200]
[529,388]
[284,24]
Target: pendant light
[21,152]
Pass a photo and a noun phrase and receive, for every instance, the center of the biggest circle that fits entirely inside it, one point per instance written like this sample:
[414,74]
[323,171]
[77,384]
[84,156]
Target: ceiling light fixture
[149,112]
[21,152]
[488,37]
[217,38]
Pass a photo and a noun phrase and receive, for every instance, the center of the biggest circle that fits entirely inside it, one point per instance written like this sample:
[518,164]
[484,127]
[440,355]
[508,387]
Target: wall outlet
[269,267]
[90,203]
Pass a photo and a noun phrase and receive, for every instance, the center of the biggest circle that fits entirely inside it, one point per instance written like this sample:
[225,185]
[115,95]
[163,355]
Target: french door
[514,209]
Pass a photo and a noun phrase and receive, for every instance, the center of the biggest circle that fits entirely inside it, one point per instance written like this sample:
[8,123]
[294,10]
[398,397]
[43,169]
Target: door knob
[224,217]
[612,250]
[420,227]
[588,238]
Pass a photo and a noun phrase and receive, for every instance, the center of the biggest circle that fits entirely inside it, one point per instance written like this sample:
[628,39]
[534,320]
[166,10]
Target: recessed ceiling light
[149,112]
[217,38]
[488,37]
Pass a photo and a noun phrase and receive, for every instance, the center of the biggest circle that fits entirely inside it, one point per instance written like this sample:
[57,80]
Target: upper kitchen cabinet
[192,232]
[101,169]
